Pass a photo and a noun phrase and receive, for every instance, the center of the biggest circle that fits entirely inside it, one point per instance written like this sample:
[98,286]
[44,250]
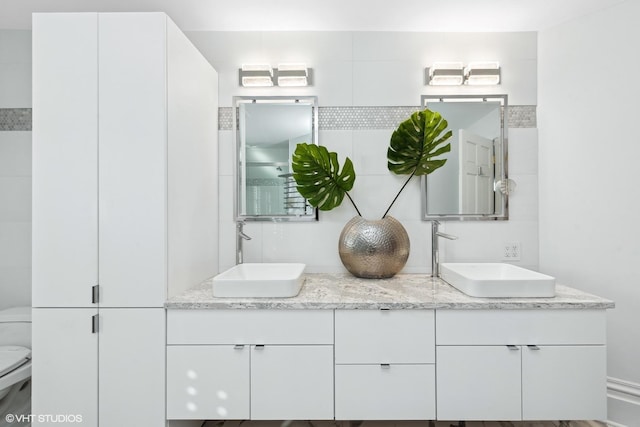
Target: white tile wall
[377,69]
[15,46]
[387,82]
[15,85]
[15,194]
[15,69]
[15,219]
[15,172]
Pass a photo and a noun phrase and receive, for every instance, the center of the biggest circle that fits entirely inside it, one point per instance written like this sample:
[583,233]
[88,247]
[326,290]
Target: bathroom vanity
[406,348]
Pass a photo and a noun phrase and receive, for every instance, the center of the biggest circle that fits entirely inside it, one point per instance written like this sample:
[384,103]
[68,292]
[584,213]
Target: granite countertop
[403,291]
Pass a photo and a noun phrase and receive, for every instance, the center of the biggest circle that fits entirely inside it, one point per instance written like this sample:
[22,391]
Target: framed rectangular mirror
[473,184]
[267,130]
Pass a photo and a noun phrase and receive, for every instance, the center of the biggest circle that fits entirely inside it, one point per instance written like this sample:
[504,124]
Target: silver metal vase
[375,249]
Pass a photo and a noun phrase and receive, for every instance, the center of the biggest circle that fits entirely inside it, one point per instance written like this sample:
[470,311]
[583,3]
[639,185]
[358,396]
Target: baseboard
[184,423]
[623,403]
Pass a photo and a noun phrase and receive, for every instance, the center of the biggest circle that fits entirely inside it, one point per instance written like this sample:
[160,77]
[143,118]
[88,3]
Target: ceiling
[327,15]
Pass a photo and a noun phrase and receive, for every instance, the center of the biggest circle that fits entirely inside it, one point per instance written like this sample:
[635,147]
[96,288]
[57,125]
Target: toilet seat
[12,357]
[15,314]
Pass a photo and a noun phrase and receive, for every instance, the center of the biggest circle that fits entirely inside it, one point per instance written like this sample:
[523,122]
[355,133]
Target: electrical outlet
[511,251]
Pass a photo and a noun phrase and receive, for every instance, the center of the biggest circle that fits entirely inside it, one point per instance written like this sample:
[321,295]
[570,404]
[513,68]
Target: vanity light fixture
[292,75]
[256,75]
[482,73]
[445,74]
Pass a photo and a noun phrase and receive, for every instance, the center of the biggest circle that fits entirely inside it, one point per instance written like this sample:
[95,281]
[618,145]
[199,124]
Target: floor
[403,424]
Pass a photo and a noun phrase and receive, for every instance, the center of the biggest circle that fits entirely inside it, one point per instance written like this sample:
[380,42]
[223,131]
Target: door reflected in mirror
[267,132]
[468,185]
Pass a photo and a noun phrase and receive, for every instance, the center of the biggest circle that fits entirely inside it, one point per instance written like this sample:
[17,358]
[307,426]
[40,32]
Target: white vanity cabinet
[385,365]
[250,364]
[521,364]
[124,207]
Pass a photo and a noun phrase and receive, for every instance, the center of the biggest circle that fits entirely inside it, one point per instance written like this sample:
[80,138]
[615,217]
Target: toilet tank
[15,326]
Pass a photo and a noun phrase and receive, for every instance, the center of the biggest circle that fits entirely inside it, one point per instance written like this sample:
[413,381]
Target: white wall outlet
[511,251]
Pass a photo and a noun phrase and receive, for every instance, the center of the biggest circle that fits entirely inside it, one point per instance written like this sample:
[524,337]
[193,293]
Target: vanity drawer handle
[238,346]
[259,346]
[533,347]
[385,366]
[95,324]
[513,347]
[95,294]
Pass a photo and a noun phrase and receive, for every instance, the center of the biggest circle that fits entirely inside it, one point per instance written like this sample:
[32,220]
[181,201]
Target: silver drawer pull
[513,347]
[385,309]
[238,346]
[385,366]
[95,294]
[95,324]
[533,347]
[259,346]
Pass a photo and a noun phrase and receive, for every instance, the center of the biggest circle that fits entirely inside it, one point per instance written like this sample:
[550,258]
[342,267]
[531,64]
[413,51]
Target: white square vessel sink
[260,280]
[497,280]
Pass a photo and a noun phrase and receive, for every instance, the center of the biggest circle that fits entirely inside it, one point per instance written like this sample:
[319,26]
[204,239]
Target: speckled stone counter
[403,291]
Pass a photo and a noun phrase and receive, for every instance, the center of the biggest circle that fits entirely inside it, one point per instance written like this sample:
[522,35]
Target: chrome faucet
[435,253]
[240,236]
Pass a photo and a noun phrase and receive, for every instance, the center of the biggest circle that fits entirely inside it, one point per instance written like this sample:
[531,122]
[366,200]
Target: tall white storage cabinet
[124,207]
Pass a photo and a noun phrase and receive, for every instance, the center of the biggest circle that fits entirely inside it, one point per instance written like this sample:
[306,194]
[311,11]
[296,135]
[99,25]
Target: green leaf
[416,142]
[319,178]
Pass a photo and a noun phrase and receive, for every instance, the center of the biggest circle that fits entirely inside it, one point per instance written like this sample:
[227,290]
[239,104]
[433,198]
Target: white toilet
[15,362]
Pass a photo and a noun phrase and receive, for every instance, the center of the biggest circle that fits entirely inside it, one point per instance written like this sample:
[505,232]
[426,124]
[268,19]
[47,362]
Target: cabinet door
[207,382]
[564,383]
[385,392]
[133,163]
[132,367]
[478,383]
[65,159]
[65,364]
[292,382]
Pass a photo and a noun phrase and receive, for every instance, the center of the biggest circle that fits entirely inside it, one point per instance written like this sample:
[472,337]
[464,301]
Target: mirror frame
[501,212]
[237,101]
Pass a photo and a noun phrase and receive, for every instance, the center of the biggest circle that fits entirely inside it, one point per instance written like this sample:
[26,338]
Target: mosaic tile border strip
[12,119]
[522,116]
[364,118]
[225,118]
[329,118]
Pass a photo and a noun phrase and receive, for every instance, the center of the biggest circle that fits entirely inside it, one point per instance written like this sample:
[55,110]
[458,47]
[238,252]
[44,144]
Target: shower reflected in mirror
[267,132]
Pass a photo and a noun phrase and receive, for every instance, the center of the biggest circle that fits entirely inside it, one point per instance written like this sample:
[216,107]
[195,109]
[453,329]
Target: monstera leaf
[320,181]
[416,142]
[414,145]
[412,149]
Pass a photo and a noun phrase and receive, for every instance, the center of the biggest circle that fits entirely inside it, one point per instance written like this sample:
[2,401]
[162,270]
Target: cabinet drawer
[497,327]
[394,392]
[250,327]
[384,336]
